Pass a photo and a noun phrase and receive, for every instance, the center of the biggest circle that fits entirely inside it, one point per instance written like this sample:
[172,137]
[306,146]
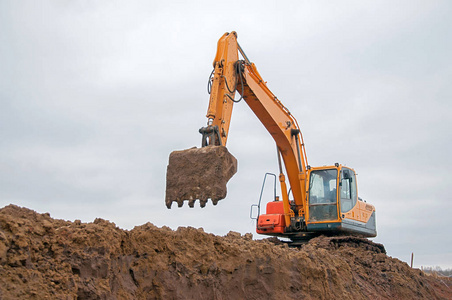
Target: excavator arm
[232,75]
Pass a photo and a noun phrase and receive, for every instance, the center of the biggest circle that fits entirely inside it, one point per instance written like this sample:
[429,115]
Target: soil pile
[199,173]
[44,258]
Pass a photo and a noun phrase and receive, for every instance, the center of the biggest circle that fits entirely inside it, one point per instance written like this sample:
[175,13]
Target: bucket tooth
[168,204]
[180,203]
[191,203]
[202,203]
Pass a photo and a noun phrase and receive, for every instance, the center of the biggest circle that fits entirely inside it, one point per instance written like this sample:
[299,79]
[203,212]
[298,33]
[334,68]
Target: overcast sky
[94,95]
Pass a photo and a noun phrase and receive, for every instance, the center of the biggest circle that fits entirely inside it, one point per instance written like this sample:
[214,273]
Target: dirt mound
[45,258]
[199,173]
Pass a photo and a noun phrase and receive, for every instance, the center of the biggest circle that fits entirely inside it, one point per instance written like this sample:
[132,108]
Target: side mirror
[346,174]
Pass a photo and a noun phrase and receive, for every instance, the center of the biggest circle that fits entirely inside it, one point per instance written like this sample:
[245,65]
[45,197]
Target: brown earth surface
[44,258]
[199,173]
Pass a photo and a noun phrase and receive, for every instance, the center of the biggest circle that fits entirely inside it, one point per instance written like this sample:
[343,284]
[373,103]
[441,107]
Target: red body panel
[273,221]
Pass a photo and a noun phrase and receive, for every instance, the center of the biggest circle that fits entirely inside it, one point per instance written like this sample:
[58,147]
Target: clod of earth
[44,258]
[199,173]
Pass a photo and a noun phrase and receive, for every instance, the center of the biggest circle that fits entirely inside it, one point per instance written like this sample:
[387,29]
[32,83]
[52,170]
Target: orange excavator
[319,200]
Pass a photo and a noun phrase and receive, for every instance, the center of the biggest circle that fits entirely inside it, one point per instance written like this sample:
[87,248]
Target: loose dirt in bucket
[44,258]
[199,173]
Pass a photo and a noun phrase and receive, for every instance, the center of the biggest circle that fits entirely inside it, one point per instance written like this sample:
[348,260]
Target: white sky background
[94,95]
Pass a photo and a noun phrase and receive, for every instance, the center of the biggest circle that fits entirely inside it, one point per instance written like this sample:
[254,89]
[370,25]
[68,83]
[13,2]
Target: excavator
[316,200]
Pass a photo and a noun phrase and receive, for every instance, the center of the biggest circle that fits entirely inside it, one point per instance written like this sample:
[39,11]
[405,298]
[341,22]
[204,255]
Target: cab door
[348,192]
[323,195]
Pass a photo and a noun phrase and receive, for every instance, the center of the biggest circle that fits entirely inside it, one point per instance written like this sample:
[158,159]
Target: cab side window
[348,190]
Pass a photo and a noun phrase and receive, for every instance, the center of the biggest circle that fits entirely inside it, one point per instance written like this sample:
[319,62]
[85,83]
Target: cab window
[348,192]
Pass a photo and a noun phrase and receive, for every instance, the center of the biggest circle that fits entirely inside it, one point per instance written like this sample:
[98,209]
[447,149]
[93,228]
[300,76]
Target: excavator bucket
[199,173]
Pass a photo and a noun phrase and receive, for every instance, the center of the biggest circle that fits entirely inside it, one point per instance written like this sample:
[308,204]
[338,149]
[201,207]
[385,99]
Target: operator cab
[323,195]
[333,203]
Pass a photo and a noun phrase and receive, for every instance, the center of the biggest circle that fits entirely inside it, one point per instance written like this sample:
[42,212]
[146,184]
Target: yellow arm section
[223,81]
